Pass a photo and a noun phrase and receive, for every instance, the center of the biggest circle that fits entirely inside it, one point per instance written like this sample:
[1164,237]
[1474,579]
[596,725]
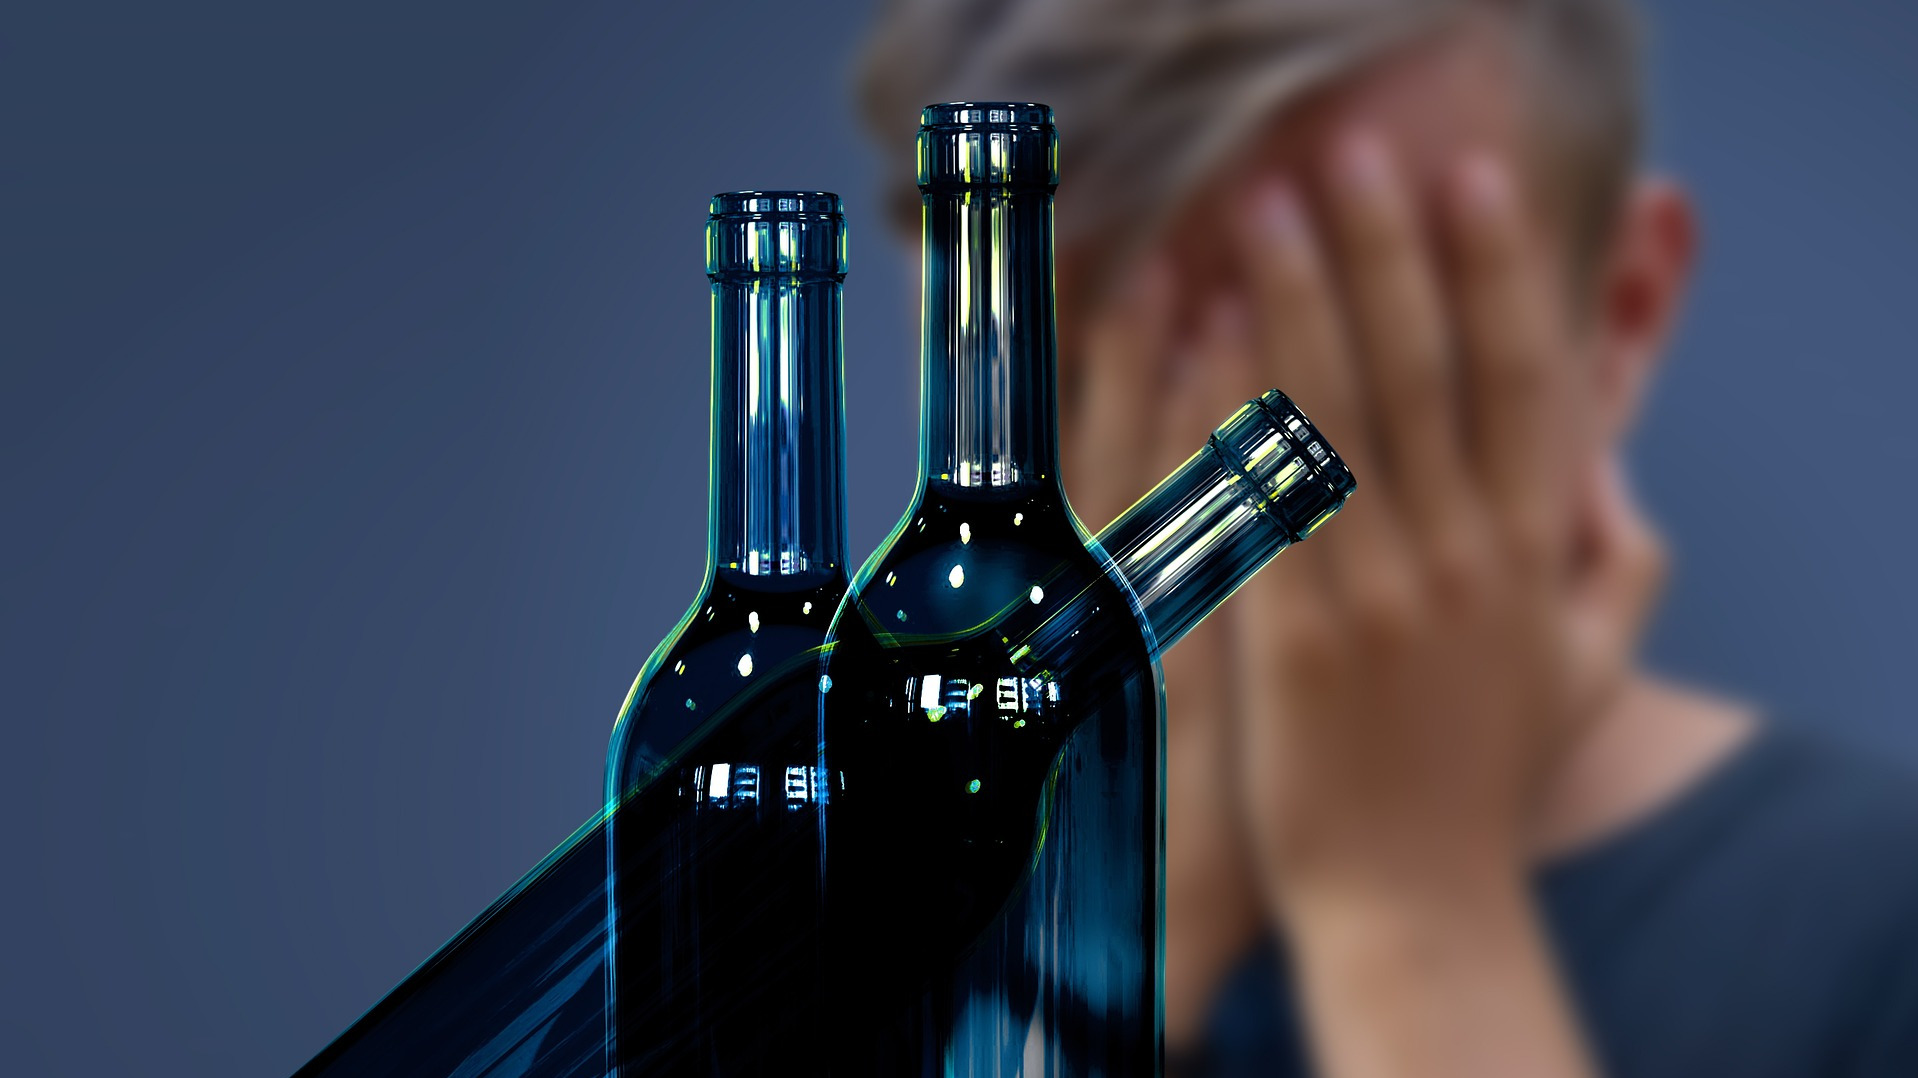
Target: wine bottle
[776,571]
[521,991]
[992,719]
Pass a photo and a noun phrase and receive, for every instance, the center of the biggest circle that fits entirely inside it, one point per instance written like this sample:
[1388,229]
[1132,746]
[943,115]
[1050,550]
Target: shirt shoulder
[1766,923]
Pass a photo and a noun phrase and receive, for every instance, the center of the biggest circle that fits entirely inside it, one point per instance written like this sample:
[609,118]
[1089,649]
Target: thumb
[1616,586]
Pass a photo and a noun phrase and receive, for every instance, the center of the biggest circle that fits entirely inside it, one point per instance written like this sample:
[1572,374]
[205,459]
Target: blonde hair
[1152,95]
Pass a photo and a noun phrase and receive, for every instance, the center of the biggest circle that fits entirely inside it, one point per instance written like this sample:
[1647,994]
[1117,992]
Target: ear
[1640,290]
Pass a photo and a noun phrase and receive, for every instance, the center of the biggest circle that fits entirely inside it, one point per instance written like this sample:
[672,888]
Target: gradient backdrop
[354,413]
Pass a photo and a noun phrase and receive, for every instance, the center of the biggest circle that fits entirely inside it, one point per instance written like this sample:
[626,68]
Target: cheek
[1597,394]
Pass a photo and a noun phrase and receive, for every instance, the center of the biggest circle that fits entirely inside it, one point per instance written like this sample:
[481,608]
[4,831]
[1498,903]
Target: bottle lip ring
[767,234]
[969,145]
[989,115]
[762,205]
[1281,412]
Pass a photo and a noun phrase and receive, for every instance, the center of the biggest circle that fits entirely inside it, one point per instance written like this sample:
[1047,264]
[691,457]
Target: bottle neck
[776,516]
[1263,481]
[990,343]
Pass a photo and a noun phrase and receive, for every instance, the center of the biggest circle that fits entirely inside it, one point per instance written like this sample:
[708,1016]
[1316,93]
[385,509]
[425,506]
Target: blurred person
[1427,813]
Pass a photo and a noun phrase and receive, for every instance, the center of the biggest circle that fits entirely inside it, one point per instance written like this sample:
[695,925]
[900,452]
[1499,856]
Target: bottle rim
[970,145]
[972,115]
[780,205]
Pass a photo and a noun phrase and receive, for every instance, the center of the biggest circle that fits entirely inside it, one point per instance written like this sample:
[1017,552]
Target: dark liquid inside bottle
[712,855]
[708,855]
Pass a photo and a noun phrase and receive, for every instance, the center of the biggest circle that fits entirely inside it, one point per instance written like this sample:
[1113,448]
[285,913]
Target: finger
[1116,411]
[1228,372]
[1400,332]
[1285,614]
[1302,348]
[1206,387]
[1208,384]
[1296,324]
[1515,381]
[1198,682]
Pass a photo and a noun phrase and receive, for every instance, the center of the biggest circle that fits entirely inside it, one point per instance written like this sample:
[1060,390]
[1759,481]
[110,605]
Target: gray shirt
[1764,925]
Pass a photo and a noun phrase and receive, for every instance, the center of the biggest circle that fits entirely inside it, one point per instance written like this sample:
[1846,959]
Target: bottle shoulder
[958,566]
[731,640]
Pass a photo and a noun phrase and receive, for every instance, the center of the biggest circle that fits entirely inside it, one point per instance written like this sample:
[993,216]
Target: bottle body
[992,875]
[701,836]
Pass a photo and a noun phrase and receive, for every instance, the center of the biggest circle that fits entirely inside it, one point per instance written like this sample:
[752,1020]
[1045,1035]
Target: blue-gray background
[354,414]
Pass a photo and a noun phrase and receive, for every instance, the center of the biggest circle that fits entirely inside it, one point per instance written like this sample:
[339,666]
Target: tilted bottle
[776,570]
[518,991]
[991,718]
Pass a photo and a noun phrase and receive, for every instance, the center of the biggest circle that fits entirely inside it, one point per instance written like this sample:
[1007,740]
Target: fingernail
[1277,211]
[1485,189]
[1359,162]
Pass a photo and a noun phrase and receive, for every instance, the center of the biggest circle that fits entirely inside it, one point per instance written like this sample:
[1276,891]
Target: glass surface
[992,882]
[1264,480]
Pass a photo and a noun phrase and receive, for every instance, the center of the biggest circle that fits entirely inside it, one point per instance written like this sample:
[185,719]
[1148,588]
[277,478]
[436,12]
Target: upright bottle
[776,570]
[990,713]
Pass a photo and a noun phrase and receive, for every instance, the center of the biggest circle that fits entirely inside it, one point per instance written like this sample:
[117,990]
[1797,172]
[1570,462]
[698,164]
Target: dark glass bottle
[776,572]
[521,992]
[992,719]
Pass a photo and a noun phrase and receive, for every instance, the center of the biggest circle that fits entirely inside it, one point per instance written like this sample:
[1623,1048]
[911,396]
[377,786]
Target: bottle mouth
[783,204]
[1300,478]
[986,113]
[775,234]
[985,144]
